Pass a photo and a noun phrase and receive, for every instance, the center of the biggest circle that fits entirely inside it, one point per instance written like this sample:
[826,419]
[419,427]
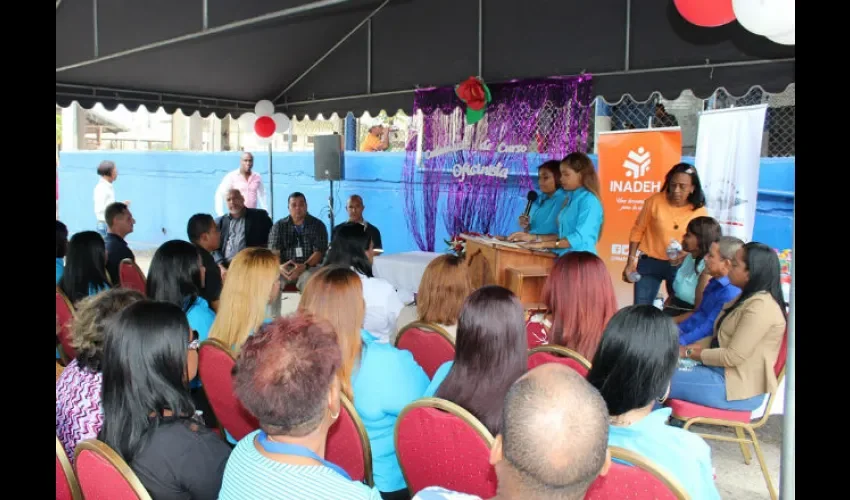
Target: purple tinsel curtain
[483,167]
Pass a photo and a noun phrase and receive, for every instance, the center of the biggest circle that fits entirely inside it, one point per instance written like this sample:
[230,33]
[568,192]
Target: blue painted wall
[166,188]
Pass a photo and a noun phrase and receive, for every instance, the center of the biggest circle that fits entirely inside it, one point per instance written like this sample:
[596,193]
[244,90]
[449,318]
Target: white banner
[728,157]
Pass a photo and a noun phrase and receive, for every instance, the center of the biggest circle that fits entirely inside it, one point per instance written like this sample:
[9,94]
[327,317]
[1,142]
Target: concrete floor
[735,479]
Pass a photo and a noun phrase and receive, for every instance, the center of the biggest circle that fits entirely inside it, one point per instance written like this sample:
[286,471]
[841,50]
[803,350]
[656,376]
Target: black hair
[491,354]
[554,167]
[348,248]
[105,168]
[61,240]
[636,358]
[198,225]
[144,374]
[175,274]
[112,211]
[697,198]
[708,231]
[763,266]
[296,194]
[85,266]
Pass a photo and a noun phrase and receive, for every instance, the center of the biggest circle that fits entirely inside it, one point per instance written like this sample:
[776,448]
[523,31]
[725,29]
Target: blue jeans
[101,228]
[706,386]
[652,273]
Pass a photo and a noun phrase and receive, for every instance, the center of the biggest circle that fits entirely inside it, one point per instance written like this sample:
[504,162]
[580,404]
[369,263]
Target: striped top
[79,415]
[250,475]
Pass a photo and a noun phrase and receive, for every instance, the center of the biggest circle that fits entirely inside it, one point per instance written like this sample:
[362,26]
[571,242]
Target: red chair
[131,276]
[65,315]
[348,444]
[215,365]
[636,479]
[430,345]
[67,487]
[557,354]
[438,443]
[104,475]
[535,332]
[740,421]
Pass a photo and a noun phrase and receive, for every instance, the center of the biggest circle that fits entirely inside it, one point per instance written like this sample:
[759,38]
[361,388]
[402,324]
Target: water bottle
[659,303]
[673,249]
[633,277]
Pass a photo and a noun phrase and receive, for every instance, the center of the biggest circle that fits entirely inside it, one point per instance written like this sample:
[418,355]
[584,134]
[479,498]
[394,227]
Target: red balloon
[264,126]
[706,13]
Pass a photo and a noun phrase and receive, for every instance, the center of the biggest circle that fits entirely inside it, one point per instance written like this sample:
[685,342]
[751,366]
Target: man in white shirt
[248,182]
[104,193]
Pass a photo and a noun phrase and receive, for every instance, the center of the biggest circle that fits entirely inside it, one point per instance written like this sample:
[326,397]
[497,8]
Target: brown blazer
[749,341]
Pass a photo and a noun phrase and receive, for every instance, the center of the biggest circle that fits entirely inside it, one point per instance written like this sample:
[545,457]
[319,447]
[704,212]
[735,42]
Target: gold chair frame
[741,439]
[562,352]
[644,463]
[68,469]
[448,407]
[104,451]
[364,438]
[423,325]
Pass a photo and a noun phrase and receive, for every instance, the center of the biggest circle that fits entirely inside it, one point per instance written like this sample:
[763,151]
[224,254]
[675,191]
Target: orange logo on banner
[632,166]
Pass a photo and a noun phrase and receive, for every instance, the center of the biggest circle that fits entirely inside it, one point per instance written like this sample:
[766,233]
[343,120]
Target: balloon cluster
[773,19]
[265,121]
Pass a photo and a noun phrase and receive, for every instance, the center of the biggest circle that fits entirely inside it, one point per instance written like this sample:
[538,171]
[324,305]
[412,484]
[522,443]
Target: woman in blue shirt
[85,267]
[691,277]
[632,370]
[490,355]
[543,217]
[580,221]
[380,379]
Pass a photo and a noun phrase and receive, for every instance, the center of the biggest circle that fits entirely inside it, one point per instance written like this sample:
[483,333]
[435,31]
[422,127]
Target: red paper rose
[471,91]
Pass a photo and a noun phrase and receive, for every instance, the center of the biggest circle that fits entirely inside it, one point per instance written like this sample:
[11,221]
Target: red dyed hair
[580,297]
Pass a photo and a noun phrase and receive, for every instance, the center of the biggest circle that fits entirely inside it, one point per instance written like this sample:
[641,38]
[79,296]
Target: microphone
[531,197]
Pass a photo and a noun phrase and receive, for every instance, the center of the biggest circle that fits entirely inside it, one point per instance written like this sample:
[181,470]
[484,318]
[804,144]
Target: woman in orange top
[664,219]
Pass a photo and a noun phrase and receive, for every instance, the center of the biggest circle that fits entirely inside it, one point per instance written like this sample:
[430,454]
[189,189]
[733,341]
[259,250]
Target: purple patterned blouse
[78,412]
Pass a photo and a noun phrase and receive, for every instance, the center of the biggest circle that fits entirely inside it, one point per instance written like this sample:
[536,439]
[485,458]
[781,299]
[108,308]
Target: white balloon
[264,108]
[784,38]
[765,17]
[281,122]
[246,122]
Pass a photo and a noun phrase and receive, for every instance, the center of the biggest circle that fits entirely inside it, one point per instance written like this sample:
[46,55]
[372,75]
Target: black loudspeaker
[328,158]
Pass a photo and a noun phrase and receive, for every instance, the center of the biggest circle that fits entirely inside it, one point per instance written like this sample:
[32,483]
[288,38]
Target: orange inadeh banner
[632,166]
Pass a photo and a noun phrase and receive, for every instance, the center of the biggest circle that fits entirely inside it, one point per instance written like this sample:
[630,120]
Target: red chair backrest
[348,444]
[67,487]
[64,316]
[130,276]
[536,334]
[536,359]
[215,365]
[103,475]
[429,349]
[438,448]
[643,480]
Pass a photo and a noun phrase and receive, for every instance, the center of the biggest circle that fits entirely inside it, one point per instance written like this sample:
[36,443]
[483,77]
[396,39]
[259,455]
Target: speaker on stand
[329,164]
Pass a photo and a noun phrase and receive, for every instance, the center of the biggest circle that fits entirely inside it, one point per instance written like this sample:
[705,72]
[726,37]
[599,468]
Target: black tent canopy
[336,56]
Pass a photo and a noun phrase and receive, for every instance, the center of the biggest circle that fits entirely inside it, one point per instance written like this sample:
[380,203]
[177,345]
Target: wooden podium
[518,269]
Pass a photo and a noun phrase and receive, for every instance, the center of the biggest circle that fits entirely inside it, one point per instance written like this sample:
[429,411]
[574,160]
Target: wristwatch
[688,352]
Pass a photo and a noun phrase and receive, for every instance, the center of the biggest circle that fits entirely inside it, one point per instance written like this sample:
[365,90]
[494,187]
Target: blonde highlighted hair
[245,296]
[445,285]
[335,295]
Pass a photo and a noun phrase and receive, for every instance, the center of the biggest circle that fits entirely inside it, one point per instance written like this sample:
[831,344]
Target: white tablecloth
[403,270]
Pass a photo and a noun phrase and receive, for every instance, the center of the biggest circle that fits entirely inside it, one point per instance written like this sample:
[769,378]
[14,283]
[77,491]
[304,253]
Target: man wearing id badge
[301,240]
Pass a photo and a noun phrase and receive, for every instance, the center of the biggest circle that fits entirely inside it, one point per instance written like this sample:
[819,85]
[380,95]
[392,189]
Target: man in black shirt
[203,233]
[301,239]
[119,223]
[355,208]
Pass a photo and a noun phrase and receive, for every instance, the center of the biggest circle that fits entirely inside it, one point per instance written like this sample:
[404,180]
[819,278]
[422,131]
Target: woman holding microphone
[658,231]
[543,216]
[580,221]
